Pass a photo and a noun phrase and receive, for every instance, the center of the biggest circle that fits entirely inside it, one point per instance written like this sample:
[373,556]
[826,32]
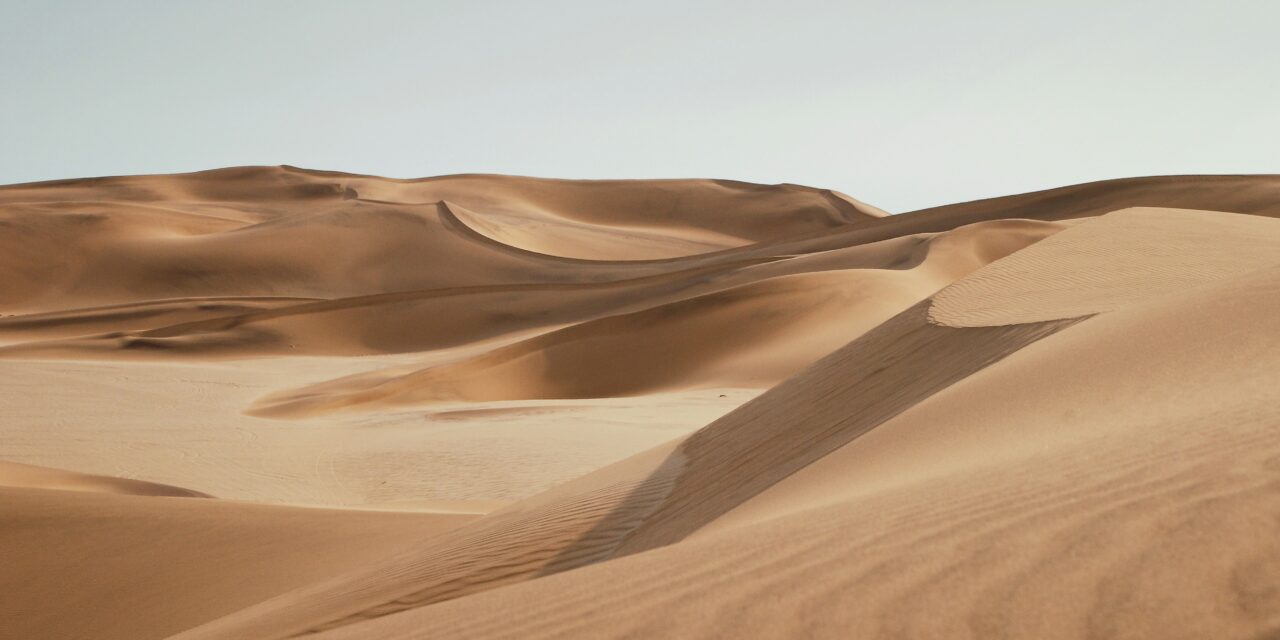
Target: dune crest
[647,408]
[787,313]
[1109,262]
[25,476]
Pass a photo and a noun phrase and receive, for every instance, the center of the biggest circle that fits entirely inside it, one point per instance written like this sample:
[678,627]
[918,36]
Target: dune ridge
[1107,488]
[1110,262]
[710,472]
[27,476]
[678,408]
[1106,531]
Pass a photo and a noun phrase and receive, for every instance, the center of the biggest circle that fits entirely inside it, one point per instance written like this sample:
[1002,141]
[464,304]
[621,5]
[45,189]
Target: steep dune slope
[192,270]
[889,274]
[1043,415]
[789,313]
[1052,513]
[255,232]
[131,254]
[658,498]
[1064,390]
[1127,536]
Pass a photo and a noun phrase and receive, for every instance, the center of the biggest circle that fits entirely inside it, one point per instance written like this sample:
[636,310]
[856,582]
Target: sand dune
[676,408]
[81,565]
[749,335]
[1162,483]
[237,230]
[27,476]
[1065,517]
[659,497]
[1116,260]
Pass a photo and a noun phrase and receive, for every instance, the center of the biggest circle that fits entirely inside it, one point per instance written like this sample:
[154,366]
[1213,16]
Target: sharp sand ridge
[271,402]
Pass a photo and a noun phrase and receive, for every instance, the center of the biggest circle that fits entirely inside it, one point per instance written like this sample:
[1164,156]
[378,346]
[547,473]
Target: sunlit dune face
[268,402]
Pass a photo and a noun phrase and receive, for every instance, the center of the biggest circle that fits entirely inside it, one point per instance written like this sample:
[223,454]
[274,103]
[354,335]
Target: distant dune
[648,408]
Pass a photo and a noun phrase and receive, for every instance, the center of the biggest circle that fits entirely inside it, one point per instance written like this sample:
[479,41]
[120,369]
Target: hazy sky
[902,104]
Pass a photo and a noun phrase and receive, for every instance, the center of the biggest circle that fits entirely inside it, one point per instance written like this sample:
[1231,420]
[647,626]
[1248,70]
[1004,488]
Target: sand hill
[269,402]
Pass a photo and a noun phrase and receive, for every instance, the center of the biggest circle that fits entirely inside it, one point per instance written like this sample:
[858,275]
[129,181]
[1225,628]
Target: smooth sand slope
[288,246]
[1046,415]
[27,476]
[760,448]
[1051,514]
[80,565]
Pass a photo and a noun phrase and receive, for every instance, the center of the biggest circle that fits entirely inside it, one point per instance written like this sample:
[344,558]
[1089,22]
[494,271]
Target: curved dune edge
[213,213]
[900,366]
[1088,519]
[1089,453]
[602,516]
[444,318]
[787,314]
[1109,262]
[25,476]
[128,258]
[564,238]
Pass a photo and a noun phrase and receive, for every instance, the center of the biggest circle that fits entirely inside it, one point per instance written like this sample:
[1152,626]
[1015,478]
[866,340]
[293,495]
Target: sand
[265,402]
[81,565]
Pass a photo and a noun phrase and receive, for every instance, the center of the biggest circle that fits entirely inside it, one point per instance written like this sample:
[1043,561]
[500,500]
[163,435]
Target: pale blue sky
[902,104]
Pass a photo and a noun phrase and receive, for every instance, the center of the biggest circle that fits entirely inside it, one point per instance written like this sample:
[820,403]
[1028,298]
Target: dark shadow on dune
[847,394]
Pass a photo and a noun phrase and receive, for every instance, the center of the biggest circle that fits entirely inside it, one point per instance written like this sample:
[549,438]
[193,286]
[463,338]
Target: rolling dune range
[269,402]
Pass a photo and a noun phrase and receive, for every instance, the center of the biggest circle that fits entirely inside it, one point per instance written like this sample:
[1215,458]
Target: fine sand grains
[268,402]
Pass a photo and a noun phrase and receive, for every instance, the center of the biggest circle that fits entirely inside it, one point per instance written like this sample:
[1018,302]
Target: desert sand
[271,402]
